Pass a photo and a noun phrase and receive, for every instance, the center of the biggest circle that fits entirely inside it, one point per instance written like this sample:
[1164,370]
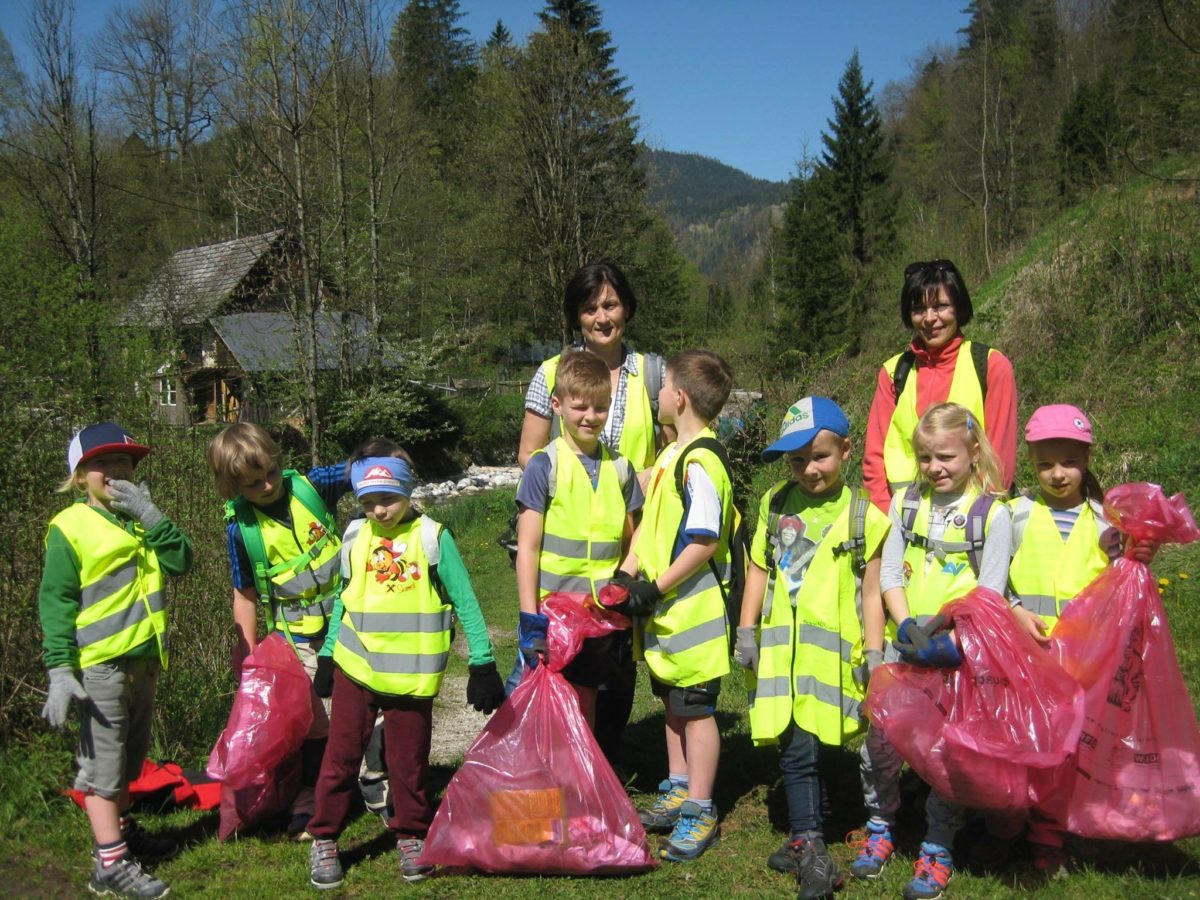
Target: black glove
[323,679]
[485,690]
[930,645]
[643,595]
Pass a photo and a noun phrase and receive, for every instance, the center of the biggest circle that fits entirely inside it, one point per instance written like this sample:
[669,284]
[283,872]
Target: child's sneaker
[409,850]
[144,845]
[932,872]
[695,831]
[665,811]
[816,873]
[875,848]
[783,859]
[324,867]
[125,878]
[1049,862]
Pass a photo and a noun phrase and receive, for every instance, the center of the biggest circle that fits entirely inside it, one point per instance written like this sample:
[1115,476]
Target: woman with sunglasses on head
[940,366]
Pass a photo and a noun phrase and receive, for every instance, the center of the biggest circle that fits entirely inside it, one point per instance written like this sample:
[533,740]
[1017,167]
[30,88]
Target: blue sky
[747,82]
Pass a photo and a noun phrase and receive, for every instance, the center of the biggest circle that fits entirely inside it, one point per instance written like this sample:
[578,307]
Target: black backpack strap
[708,443]
[900,374]
[979,356]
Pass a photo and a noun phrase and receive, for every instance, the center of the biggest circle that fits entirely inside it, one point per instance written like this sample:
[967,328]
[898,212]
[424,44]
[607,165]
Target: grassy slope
[1100,310]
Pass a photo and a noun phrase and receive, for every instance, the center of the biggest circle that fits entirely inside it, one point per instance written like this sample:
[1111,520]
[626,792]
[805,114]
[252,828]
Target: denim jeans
[807,800]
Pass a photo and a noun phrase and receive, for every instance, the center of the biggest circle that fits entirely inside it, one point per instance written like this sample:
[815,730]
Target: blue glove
[930,645]
[531,638]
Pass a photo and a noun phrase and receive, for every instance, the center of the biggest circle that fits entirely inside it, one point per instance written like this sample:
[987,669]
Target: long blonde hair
[943,417]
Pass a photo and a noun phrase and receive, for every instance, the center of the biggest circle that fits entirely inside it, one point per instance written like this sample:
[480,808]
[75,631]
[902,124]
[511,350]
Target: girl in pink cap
[1061,541]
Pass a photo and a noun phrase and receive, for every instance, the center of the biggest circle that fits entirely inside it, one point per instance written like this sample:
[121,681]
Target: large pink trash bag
[992,733]
[535,794]
[1137,774]
[255,757]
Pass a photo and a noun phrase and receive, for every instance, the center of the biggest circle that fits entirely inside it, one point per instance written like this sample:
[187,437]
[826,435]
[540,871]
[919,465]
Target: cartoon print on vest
[388,564]
[1127,680]
[907,573]
[316,531]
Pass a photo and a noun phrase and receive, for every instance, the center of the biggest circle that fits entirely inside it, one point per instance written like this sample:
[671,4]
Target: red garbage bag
[535,794]
[991,733]
[255,757]
[1137,770]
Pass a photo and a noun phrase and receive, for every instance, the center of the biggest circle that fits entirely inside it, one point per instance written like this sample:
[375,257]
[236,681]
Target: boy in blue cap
[811,631]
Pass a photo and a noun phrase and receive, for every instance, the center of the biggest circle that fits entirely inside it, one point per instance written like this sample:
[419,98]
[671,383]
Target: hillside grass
[52,840]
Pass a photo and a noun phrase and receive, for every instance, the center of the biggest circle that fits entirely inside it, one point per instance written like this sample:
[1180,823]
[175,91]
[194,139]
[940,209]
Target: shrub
[491,427]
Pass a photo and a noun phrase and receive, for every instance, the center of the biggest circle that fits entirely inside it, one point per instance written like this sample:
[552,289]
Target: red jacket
[934,372]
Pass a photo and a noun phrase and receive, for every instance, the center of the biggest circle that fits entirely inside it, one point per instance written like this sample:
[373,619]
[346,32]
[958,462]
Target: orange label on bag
[528,817]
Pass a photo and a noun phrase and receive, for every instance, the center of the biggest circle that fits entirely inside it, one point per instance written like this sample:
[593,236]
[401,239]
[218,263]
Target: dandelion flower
[1184,576]
[1164,582]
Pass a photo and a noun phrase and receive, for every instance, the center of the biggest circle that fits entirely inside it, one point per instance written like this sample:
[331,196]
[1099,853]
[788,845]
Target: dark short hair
[923,282]
[586,283]
[704,377]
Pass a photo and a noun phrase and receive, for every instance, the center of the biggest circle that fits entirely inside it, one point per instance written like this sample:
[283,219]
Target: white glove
[134,500]
[64,687]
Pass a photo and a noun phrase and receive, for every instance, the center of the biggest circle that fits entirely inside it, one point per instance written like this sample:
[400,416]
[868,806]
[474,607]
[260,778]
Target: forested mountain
[720,216]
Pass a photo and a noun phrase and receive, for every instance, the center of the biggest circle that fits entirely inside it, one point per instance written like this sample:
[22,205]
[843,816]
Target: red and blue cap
[96,440]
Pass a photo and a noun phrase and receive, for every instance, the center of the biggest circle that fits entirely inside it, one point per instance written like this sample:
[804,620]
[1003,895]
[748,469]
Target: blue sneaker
[695,831]
[875,847]
[933,870]
[663,815]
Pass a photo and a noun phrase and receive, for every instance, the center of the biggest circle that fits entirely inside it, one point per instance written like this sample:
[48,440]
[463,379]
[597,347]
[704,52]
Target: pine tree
[856,166]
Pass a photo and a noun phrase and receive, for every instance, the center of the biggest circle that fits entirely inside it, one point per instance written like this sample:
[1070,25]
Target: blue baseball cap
[803,421]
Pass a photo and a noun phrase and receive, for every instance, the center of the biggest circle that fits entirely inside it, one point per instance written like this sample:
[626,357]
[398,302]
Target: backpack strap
[708,443]
[979,356]
[551,452]
[1022,510]
[909,504]
[972,543]
[241,511]
[900,374]
[856,540]
[977,517]
[651,367]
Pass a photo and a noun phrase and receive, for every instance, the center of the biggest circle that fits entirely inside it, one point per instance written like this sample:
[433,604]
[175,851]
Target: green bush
[491,427]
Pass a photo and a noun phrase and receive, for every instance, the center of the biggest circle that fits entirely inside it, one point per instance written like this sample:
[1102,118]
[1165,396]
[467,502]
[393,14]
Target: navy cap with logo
[95,440]
[803,422]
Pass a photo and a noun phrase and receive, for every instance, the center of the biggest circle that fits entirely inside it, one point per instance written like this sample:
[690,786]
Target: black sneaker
[784,860]
[145,846]
[125,878]
[817,874]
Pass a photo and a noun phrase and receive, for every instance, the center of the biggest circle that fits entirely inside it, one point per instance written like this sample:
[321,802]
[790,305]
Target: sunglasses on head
[936,265]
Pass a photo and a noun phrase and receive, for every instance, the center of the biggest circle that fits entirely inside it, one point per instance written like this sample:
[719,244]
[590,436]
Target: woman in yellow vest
[939,366]
[1061,542]
[390,652]
[811,622]
[948,535]
[600,303]
[103,616]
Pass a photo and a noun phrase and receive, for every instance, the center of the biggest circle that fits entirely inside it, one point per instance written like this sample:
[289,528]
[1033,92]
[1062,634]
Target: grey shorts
[690,702]
[114,732]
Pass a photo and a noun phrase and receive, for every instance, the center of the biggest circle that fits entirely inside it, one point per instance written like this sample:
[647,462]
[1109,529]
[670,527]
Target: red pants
[407,729]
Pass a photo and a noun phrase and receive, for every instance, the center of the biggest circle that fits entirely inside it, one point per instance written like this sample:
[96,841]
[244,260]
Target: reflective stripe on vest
[305,585]
[935,572]
[582,528]
[686,640]
[899,461]
[811,656]
[395,631]
[121,603]
[636,440]
[1047,572]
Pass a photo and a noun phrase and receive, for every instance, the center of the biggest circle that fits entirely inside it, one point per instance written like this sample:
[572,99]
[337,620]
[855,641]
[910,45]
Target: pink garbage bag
[1137,771]
[535,794]
[256,755]
[992,733]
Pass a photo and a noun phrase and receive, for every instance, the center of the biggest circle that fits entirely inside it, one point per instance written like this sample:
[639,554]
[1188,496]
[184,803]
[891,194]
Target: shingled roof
[194,283]
[266,342]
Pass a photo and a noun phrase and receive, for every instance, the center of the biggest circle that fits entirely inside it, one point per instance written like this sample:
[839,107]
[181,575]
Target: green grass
[50,840]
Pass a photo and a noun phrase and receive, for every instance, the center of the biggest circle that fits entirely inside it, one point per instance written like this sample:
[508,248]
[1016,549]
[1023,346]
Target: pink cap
[1059,420]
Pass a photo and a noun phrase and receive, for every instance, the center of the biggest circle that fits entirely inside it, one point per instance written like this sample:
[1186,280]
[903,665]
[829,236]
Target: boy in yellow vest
[103,616]
[677,574]
[575,518]
[283,554]
[811,631]
[390,652]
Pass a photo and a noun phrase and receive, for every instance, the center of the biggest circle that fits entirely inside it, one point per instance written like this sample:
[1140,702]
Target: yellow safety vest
[121,603]
[810,668]
[937,574]
[899,461]
[583,527]
[304,566]
[686,641]
[1047,572]
[395,632]
[637,431]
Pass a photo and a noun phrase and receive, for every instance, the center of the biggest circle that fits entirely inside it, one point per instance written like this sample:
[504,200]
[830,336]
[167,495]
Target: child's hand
[64,689]
[930,645]
[643,595]
[1032,624]
[485,690]
[745,650]
[874,659]
[1141,551]
[134,500]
